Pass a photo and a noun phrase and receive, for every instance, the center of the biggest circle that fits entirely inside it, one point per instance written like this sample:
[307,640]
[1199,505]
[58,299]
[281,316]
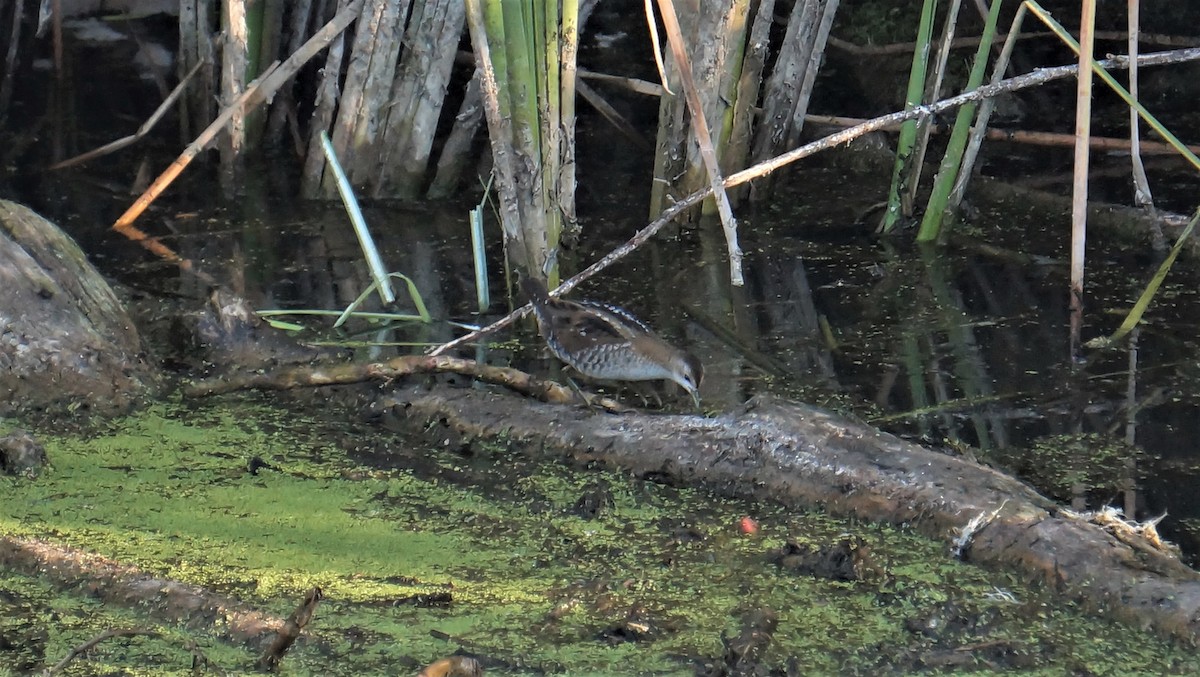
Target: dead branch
[1104,143]
[91,644]
[397,367]
[290,631]
[959,43]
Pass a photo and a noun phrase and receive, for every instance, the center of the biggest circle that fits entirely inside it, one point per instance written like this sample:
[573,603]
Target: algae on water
[492,551]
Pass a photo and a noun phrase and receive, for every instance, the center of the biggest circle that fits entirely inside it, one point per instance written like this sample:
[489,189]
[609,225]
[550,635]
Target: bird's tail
[535,289]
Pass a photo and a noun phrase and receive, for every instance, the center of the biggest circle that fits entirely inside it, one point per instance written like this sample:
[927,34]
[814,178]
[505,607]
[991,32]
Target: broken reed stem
[290,632]
[260,90]
[700,127]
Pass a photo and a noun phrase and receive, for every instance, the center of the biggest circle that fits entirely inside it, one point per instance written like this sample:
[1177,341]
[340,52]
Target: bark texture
[66,342]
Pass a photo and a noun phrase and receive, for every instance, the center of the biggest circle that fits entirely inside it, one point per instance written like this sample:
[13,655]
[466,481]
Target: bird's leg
[647,392]
[587,399]
[594,401]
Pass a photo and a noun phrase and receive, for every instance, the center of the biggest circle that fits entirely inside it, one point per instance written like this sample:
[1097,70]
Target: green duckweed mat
[531,566]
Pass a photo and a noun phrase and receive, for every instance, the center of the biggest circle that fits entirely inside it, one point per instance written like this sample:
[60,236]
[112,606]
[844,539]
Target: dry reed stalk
[12,58]
[456,151]
[285,104]
[327,96]
[568,61]
[980,129]
[745,107]
[784,104]
[233,84]
[714,32]
[369,72]
[204,107]
[699,125]
[188,58]
[418,94]
[1079,190]
[1141,184]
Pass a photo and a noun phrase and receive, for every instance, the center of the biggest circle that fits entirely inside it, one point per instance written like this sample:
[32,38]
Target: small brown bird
[608,343]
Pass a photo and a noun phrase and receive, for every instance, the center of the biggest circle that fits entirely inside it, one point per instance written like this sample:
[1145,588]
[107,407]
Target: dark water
[963,348]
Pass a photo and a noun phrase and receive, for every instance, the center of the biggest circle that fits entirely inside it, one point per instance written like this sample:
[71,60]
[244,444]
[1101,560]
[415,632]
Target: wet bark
[66,342]
[779,451]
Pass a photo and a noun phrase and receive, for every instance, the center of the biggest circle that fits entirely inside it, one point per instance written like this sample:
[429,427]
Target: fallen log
[780,451]
[166,600]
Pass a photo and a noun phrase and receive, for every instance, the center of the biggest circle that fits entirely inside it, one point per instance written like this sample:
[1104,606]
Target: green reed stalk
[931,224]
[904,172]
[1143,302]
[532,47]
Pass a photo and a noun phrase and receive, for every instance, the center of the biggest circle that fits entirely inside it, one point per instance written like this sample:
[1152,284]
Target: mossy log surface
[66,342]
[780,451]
